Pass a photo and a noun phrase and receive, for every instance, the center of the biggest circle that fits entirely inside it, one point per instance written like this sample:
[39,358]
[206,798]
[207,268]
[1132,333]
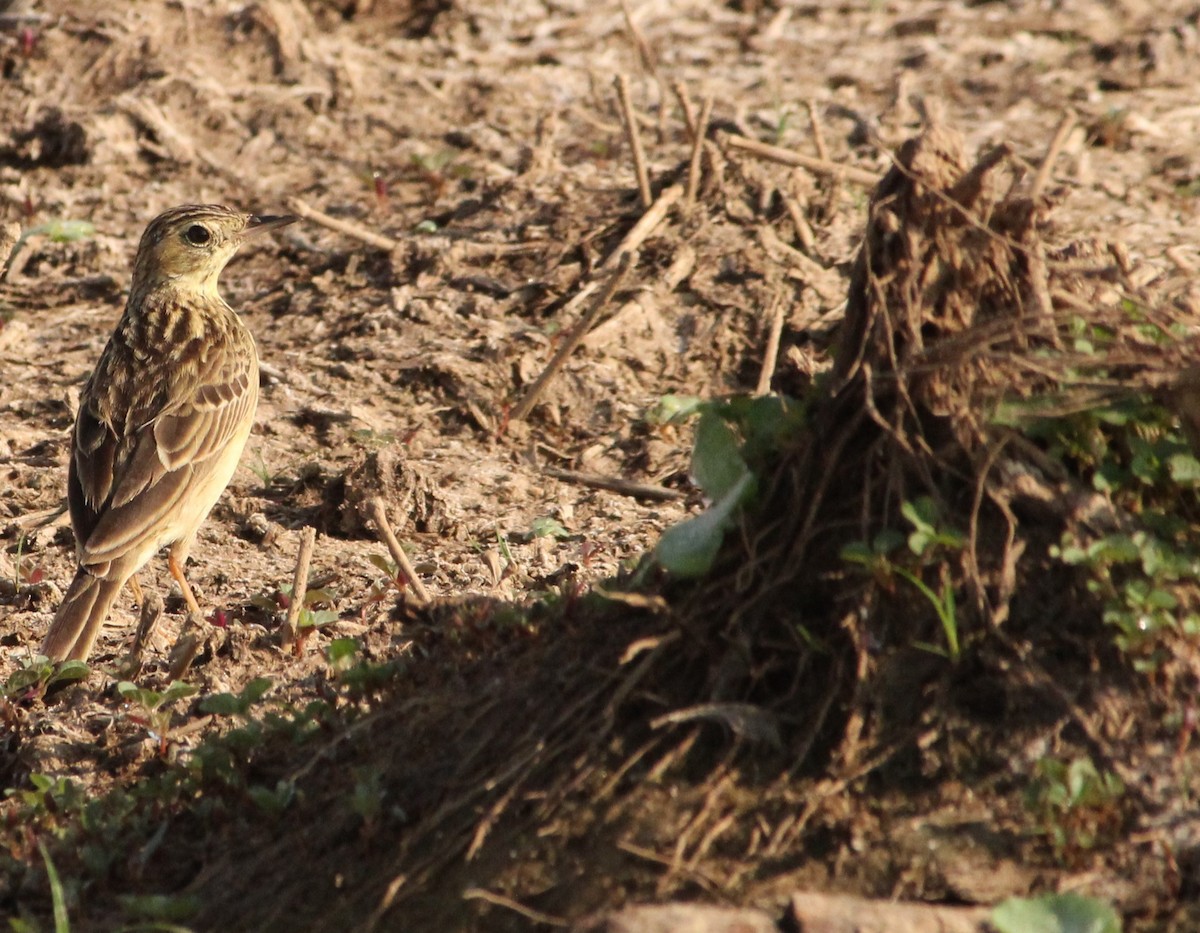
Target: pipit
[163,419]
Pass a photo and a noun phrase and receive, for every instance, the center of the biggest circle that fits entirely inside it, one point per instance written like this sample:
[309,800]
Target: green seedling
[152,707]
[239,704]
[737,441]
[259,468]
[39,674]
[1077,806]
[26,573]
[928,543]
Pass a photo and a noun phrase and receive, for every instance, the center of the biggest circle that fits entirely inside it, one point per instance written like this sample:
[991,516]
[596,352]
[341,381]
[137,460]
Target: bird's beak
[258,223]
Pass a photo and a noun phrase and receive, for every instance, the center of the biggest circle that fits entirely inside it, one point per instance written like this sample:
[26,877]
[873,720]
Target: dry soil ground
[486,140]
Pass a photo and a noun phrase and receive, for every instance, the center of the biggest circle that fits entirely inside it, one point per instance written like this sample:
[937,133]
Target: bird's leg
[177,572]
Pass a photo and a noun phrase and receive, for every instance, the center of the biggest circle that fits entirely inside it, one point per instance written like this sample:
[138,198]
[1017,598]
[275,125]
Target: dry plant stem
[152,611]
[814,122]
[804,231]
[1056,143]
[635,140]
[645,226]
[685,104]
[479,894]
[693,183]
[616,484]
[379,514]
[771,353]
[358,232]
[290,629]
[788,157]
[584,324]
[355,231]
[639,41]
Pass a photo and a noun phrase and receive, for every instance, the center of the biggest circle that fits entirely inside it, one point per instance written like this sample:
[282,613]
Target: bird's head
[188,246]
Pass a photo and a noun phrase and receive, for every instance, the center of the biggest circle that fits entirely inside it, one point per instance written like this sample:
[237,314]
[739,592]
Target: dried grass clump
[954,299]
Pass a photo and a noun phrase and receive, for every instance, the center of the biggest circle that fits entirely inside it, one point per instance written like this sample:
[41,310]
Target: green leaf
[64,231]
[21,680]
[322,594]
[387,566]
[177,691]
[886,541]
[310,618]
[689,548]
[256,689]
[1184,468]
[921,512]
[226,704]
[221,704]
[62,923]
[673,409]
[139,696]
[857,552]
[717,463]
[273,800]
[1055,913]
[69,671]
[547,527]
[767,422]
[341,652]
[161,907]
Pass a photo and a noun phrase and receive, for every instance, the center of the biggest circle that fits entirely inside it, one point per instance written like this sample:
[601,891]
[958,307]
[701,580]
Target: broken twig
[635,140]
[685,104]
[301,209]
[291,624]
[790,157]
[693,183]
[624,264]
[616,484]
[1042,178]
[383,525]
[771,353]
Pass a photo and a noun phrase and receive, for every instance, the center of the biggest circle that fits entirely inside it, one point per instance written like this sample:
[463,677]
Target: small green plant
[310,617]
[359,678]
[548,527]
[152,711]
[48,795]
[27,572]
[436,170]
[237,704]
[1055,913]
[367,797]
[1134,455]
[1077,806]
[737,440]
[39,674]
[259,468]
[930,544]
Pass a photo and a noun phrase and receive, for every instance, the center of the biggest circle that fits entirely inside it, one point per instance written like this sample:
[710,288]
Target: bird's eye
[197,235]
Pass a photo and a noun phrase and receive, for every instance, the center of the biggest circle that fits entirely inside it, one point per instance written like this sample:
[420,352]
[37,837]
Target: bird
[162,419]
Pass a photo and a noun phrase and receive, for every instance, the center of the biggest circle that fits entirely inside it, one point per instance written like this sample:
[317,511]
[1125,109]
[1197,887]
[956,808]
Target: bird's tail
[80,616]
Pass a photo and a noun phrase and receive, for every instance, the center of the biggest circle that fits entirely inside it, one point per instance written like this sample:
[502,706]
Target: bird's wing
[128,478]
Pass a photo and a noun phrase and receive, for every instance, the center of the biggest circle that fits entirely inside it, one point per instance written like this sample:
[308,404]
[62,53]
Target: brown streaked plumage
[163,419]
